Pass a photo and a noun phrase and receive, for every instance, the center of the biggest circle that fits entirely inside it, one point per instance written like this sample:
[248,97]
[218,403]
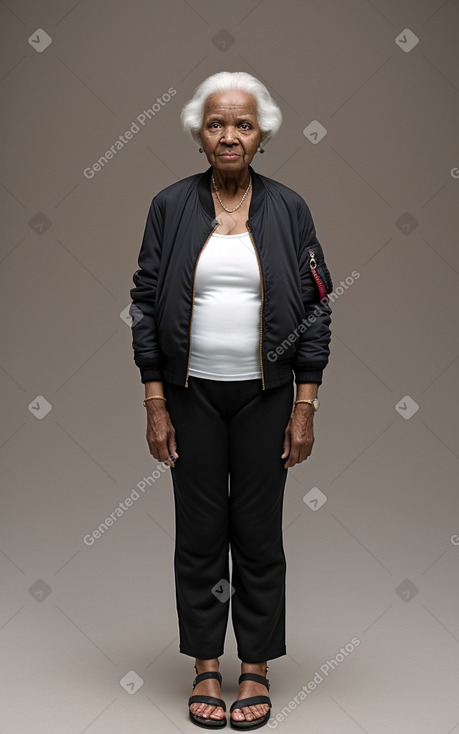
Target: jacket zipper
[192,300]
[261,305]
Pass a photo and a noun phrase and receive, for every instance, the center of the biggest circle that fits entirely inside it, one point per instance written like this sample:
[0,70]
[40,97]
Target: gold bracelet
[310,402]
[153,397]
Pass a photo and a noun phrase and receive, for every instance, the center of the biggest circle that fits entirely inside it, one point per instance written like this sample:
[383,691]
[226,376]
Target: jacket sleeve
[313,350]
[147,353]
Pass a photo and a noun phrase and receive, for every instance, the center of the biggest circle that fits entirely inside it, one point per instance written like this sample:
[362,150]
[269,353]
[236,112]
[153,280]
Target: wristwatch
[315,403]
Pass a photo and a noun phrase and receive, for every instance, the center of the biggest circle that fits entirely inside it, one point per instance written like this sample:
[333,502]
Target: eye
[246,124]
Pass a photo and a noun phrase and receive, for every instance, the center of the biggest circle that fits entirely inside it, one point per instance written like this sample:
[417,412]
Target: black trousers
[228,486]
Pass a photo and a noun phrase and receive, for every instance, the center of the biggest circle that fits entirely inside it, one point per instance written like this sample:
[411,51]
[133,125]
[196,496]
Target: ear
[265,141]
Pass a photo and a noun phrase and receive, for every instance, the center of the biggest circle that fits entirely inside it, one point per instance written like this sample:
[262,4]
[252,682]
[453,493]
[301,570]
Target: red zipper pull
[316,276]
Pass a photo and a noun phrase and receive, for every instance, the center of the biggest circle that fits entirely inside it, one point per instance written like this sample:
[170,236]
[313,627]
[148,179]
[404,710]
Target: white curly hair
[269,115]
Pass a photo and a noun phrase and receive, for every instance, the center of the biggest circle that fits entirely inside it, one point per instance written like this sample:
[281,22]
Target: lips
[230,156]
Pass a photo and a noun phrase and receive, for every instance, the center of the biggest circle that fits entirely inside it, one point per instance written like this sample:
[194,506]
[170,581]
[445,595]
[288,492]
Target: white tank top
[225,328]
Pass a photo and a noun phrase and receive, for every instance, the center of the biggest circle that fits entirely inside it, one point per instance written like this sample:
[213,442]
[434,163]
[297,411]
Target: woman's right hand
[161,433]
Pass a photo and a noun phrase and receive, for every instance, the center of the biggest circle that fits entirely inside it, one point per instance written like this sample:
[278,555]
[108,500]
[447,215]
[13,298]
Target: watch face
[316,403]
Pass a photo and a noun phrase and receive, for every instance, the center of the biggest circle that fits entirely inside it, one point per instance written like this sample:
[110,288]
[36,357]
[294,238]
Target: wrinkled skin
[299,435]
[161,433]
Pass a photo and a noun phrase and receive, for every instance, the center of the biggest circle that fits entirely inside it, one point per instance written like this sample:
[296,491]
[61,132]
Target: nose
[229,136]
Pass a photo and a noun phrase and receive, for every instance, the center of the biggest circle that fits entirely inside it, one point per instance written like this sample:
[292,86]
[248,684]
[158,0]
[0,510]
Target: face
[230,134]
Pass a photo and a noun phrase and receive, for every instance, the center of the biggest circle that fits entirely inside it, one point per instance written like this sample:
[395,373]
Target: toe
[258,710]
[217,713]
[248,713]
[198,708]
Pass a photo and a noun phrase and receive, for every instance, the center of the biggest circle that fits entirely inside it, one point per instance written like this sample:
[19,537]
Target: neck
[232,182]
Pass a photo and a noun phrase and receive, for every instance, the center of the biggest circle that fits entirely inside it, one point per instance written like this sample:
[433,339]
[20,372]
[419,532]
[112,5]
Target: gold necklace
[241,201]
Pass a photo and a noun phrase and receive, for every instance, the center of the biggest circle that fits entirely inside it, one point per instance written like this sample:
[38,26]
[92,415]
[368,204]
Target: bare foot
[250,688]
[207,687]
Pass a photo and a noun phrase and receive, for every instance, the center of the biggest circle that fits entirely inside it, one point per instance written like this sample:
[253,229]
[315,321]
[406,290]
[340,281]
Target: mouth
[229,156]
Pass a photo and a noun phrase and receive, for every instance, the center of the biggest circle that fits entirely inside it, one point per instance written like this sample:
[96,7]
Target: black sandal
[210,700]
[252,701]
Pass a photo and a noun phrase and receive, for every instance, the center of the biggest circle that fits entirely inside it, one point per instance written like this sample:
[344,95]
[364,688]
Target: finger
[172,445]
[286,445]
[292,459]
[152,447]
[172,454]
[306,449]
[295,450]
[164,454]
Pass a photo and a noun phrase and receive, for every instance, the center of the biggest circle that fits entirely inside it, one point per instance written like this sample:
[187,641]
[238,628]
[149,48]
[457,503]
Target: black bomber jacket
[295,315]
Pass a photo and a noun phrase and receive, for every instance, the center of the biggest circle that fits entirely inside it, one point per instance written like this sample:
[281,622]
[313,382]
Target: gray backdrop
[369,94]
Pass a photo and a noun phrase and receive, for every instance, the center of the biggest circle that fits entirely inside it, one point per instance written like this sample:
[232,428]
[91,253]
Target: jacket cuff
[308,375]
[151,374]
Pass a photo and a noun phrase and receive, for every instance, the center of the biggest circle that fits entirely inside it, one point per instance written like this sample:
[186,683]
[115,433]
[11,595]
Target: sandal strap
[255,677]
[252,701]
[208,674]
[210,700]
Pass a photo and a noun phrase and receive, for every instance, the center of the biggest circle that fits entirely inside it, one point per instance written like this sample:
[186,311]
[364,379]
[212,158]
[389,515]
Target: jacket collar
[205,196]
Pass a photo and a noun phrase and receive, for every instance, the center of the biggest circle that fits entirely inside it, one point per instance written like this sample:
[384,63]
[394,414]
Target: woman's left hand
[299,435]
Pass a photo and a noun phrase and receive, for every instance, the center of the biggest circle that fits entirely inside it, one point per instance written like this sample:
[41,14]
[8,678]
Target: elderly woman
[230,302]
